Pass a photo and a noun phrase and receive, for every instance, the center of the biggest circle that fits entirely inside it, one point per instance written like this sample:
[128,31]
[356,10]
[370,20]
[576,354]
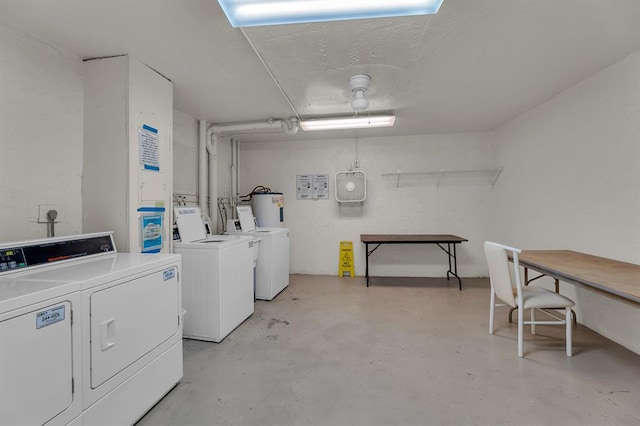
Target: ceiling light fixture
[250,13]
[359,84]
[341,123]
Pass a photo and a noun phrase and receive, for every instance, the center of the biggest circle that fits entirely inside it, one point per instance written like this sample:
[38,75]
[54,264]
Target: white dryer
[88,335]
[217,288]
[272,269]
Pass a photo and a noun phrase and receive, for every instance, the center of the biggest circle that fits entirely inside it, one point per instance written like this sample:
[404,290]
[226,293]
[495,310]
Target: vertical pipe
[237,168]
[202,166]
[212,148]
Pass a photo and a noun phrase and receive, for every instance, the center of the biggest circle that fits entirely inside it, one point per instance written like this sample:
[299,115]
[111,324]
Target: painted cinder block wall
[419,204]
[572,181]
[41,96]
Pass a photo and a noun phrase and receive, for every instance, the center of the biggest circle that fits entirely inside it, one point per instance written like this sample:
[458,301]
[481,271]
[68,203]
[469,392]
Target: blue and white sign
[50,316]
[168,274]
[149,148]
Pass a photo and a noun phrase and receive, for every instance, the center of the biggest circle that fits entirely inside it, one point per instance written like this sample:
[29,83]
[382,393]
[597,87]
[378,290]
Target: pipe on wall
[202,166]
[212,149]
[288,126]
[208,144]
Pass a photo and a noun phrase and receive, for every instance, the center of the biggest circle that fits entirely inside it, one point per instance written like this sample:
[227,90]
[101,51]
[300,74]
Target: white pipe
[238,170]
[202,166]
[289,126]
[212,149]
[234,168]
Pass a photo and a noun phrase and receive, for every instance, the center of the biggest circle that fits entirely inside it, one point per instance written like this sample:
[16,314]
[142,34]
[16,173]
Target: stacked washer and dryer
[88,335]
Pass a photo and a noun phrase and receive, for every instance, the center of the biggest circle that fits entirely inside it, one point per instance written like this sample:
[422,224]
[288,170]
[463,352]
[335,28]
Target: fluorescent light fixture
[251,13]
[338,123]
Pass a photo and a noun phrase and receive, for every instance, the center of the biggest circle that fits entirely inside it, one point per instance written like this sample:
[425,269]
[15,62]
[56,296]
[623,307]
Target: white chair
[507,286]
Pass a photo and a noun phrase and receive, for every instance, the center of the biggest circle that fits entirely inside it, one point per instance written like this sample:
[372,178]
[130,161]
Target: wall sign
[312,187]
[149,148]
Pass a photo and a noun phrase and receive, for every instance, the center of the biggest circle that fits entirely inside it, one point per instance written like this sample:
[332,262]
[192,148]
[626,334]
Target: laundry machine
[217,287]
[272,269]
[89,335]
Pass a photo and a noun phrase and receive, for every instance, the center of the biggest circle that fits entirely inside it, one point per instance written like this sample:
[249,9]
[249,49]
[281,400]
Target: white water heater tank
[268,208]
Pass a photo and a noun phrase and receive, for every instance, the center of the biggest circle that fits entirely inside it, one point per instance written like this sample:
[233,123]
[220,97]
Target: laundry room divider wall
[128,153]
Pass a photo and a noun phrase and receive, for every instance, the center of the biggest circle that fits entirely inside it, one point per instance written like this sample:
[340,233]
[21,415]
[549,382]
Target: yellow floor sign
[346,259]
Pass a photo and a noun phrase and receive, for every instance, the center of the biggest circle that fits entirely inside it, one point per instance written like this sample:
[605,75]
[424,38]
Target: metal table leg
[366,250]
[452,255]
[367,254]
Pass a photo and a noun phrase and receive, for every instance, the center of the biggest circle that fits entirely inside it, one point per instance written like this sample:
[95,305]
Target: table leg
[451,253]
[366,251]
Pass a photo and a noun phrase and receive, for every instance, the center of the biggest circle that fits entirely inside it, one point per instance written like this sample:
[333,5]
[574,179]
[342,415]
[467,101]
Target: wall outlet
[356,164]
[43,209]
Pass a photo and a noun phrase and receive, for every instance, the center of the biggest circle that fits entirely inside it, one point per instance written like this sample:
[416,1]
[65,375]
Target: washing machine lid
[190,225]
[245,215]
[214,242]
[261,231]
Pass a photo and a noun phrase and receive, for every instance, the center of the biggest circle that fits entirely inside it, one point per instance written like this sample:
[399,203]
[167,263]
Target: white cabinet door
[36,365]
[129,320]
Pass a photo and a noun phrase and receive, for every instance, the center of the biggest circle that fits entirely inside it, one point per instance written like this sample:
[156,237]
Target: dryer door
[130,319]
[36,365]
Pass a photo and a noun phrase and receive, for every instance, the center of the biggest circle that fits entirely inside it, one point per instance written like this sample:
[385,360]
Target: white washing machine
[272,269]
[89,336]
[217,287]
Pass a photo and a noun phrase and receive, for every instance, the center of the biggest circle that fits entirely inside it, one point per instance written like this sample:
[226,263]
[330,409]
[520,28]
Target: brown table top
[410,238]
[610,276]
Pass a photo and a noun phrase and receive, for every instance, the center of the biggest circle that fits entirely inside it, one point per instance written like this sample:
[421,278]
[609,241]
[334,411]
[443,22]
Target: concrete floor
[406,351]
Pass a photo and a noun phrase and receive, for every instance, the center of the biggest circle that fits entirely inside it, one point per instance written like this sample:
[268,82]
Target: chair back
[500,271]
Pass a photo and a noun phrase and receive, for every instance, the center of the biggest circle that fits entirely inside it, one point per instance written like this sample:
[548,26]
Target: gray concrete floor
[406,351]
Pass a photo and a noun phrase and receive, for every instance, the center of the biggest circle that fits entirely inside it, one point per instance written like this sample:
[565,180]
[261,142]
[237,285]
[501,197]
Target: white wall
[40,136]
[458,206]
[185,154]
[572,181]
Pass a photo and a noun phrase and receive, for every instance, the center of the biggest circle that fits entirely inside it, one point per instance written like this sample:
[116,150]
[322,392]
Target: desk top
[410,238]
[610,276]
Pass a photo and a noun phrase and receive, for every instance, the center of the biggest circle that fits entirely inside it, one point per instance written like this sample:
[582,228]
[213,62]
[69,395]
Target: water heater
[268,208]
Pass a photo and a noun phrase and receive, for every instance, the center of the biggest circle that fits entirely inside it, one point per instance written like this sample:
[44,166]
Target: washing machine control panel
[47,251]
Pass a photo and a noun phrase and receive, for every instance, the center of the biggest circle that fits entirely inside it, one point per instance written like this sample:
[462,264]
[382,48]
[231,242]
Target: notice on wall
[312,187]
[304,187]
[149,148]
[321,187]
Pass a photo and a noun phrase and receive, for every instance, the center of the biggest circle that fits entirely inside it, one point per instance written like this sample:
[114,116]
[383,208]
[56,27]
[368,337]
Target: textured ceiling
[472,67]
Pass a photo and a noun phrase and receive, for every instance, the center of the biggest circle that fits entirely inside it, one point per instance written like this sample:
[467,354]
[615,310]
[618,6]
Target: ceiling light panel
[341,123]
[250,13]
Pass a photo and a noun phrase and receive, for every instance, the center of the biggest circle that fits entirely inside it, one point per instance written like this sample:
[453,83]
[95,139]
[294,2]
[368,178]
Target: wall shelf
[491,174]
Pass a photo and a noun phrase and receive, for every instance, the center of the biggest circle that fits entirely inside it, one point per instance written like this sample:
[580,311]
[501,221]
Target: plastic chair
[507,286]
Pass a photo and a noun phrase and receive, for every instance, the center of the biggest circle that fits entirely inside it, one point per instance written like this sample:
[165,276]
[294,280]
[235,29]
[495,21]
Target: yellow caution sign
[346,259]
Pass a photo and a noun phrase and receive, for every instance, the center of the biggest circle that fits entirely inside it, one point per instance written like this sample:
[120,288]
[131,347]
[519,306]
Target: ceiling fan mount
[359,84]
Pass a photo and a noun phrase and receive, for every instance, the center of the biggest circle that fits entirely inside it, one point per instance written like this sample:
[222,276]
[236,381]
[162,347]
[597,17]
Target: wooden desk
[439,240]
[611,277]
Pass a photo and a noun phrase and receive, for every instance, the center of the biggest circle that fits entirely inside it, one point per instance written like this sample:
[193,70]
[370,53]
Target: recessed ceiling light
[249,13]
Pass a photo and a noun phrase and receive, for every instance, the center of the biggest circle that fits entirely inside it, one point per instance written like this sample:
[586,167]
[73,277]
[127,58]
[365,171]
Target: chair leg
[533,320]
[520,330]
[492,307]
[568,337]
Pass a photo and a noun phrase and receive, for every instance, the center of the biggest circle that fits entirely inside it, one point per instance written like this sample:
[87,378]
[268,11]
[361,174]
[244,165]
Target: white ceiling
[472,67]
